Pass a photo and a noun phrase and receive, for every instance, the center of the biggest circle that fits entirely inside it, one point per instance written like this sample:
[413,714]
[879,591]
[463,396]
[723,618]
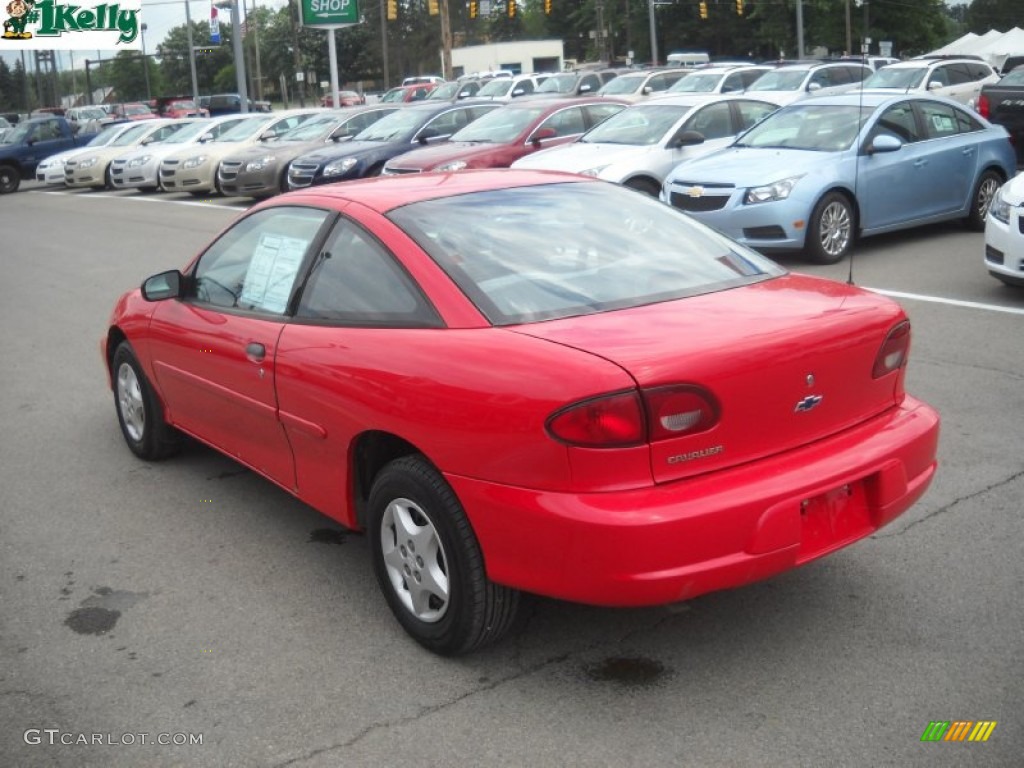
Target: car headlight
[454,165]
[777,190]
[137,161]
[193,162]
[89,162]
[1000,208]
[339,167]
[260,163]
[595,171]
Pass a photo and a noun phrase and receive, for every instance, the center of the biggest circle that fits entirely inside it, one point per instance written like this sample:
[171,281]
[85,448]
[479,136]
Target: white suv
[958,79]
[792,82]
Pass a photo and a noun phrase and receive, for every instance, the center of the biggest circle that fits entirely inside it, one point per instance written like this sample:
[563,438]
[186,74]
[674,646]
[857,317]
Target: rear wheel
[984,194]
[10,179]
[830,231]
[428,562]
[138,410]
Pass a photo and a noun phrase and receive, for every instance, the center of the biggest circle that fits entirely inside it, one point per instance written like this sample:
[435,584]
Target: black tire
[108,179]
[984,194]
[283,185]
[10,179]
[217,188]
[139,411]
[830,232]
[647,186]
[374,171]
[453,608]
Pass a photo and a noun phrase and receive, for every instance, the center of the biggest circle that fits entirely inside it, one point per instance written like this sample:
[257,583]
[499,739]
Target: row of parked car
[812,176]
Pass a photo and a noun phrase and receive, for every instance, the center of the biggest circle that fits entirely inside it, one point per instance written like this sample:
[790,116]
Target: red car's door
[214,352]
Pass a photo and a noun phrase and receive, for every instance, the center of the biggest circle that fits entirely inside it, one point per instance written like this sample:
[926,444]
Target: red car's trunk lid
[788,360]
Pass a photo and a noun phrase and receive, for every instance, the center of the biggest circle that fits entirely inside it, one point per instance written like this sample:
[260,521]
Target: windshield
[698,82]
[16,135]
[245,130]
[395,94]
[780,80]
[500,126]
[897,77]
[623,84]
[558,84]
[497,87]
[105,136]
[1014,78]
[445,92]
[136,109]
[395,127]
[560,250]
[808,127]
[637,126]
[133,134]
[318,126]
[188,131]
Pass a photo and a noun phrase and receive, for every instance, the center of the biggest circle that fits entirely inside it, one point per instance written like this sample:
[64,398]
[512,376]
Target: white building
[523,56]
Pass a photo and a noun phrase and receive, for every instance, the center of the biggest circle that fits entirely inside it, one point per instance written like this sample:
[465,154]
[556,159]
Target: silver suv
[958,79]
[792,82]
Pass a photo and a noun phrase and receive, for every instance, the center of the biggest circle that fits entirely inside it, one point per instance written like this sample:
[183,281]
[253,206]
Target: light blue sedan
[817,174]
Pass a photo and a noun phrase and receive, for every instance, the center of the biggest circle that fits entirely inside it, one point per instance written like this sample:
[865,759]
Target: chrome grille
[301,175]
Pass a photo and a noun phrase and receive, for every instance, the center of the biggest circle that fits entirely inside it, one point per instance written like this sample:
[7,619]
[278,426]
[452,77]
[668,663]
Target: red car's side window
[356,282]
[255,265]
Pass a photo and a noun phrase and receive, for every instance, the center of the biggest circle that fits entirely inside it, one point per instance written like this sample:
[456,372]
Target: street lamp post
[236,46]
[145,62]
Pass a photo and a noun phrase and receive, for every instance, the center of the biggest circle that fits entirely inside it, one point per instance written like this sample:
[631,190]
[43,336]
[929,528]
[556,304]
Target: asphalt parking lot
[192,599]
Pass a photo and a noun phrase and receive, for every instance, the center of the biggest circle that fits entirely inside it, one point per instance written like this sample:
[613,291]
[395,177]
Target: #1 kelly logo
[50,24]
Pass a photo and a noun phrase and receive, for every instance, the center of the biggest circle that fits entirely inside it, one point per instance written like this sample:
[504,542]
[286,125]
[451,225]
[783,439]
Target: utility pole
[191,54]
[384,41]
[654,34]
[297,56]
[446,41]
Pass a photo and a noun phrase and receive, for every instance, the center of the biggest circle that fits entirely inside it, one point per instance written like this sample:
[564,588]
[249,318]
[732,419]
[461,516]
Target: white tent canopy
[994,46]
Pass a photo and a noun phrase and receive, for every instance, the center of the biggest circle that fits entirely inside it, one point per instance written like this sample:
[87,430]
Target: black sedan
[409,128]
[1002,103]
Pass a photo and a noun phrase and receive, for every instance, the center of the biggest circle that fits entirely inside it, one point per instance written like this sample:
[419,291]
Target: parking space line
[108,196]
[950,302]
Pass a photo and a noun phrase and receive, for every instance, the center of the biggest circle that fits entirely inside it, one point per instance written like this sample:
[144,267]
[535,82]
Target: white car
[1004,233]
[92,168]
[957,79]
[51,170]
[637,86]
[638,146]
[734,78]
[140,169]
[792,82]
[508,88]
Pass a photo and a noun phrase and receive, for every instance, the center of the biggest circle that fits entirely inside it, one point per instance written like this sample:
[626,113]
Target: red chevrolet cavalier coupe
[526,381]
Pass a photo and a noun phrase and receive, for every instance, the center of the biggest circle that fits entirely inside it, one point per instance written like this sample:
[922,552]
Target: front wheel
[830,231]
[428,562]
[138,410]
[647,186]
[984,194]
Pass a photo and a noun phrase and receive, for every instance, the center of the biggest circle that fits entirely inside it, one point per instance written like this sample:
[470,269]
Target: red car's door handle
[255,351]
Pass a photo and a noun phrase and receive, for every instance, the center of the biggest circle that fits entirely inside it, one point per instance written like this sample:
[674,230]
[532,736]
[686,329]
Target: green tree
[8,96]
[1003,15]
[127,75]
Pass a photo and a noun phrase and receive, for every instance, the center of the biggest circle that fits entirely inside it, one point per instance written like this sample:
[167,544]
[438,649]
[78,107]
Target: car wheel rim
[835,229]
[415,560]
[986,193]
[129,400]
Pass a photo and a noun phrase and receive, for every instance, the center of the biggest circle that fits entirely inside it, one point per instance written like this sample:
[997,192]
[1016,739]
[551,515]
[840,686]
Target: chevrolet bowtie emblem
[809,402]
[695,191]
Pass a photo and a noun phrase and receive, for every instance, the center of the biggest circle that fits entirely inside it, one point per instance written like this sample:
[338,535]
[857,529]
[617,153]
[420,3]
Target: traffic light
[703,9]
[511,9]
[739,7]
[474,8]
[433,10]
[392,10]
[547,7]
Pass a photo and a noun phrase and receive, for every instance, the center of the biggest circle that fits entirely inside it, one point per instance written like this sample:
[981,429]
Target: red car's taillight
[630,418]
[611,421]
[893,354]
[983,106]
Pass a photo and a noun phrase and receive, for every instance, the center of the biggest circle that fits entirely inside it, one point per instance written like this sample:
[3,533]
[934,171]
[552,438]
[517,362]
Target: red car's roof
[386,192]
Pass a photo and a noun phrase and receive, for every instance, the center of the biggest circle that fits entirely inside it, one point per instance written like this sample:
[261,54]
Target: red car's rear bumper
[674,541]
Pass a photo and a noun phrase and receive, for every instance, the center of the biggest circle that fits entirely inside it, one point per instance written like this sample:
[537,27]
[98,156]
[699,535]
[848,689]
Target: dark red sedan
[527,381]
[501,137]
